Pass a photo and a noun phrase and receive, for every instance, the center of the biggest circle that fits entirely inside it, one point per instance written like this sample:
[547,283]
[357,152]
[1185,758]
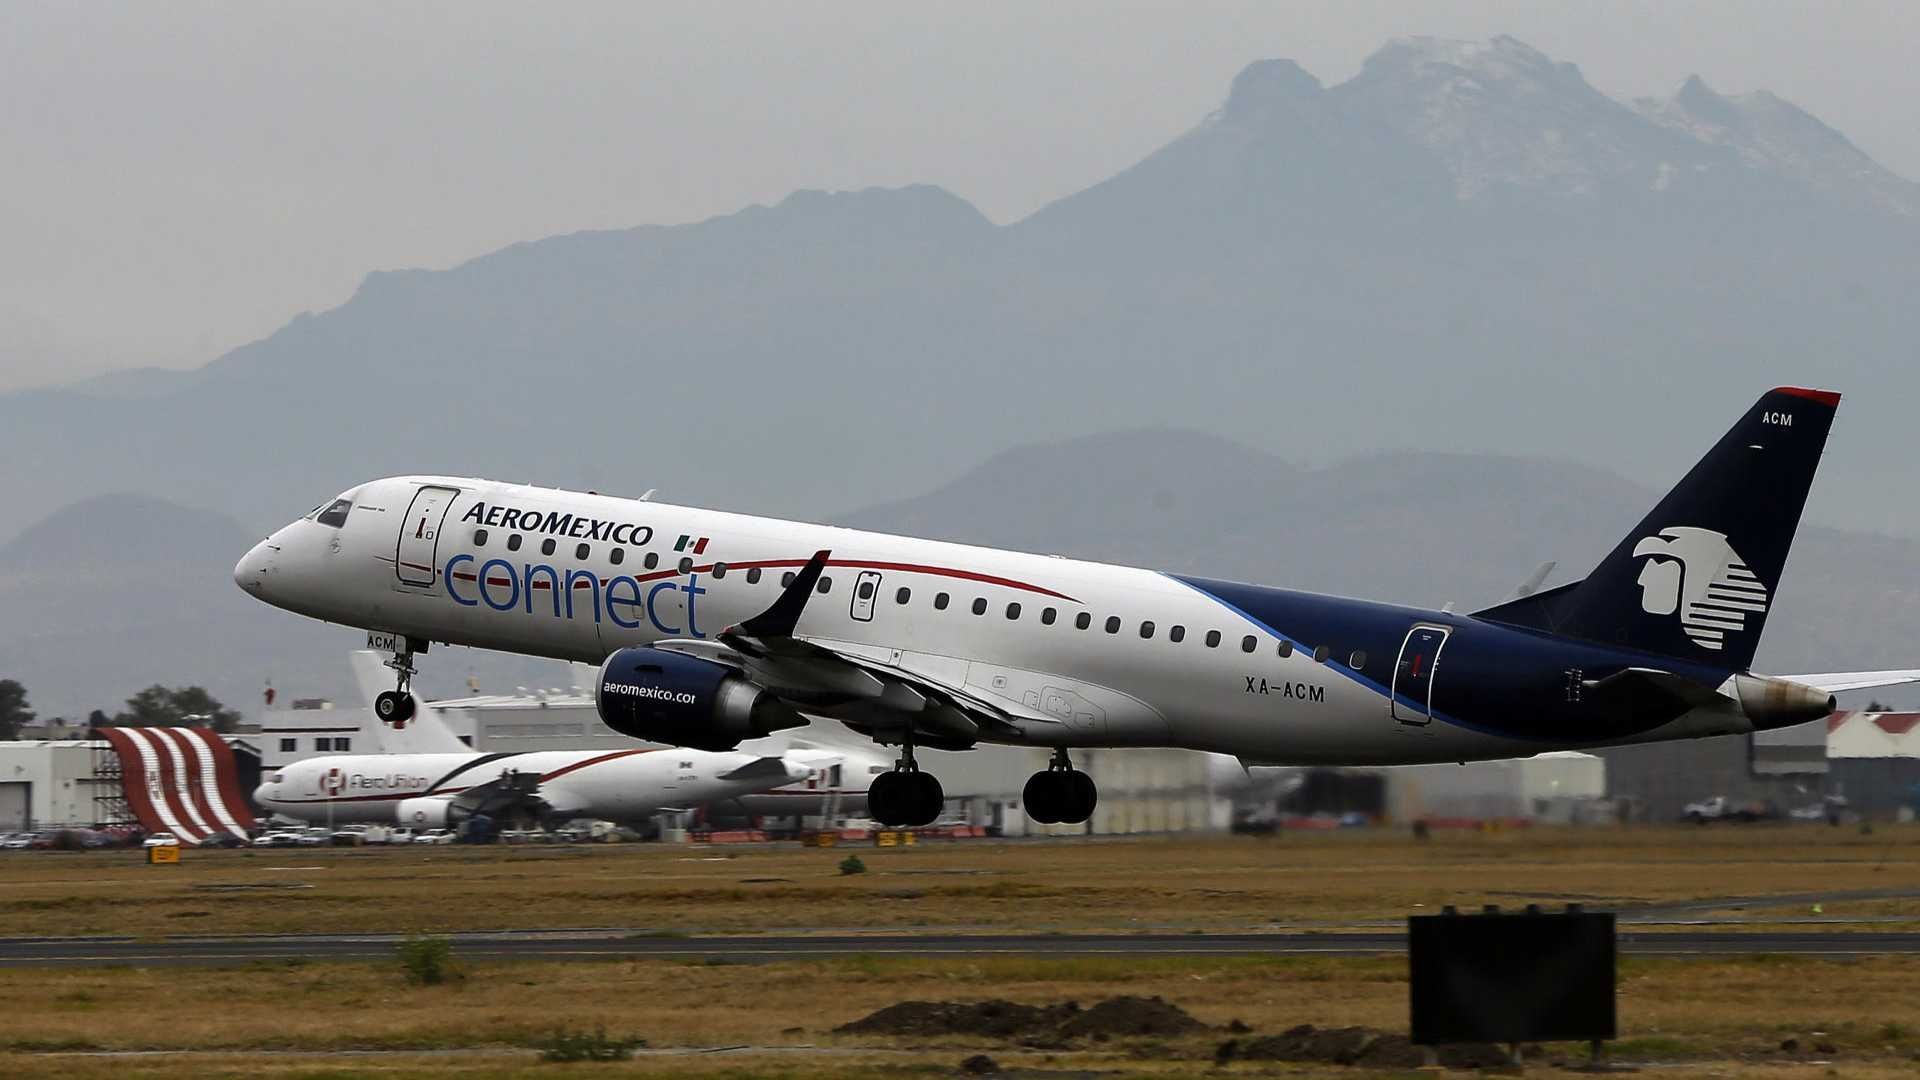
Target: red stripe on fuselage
[775,564]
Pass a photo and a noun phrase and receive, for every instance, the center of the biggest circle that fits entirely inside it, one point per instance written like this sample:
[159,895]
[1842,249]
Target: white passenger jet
[712,628]
[429,779]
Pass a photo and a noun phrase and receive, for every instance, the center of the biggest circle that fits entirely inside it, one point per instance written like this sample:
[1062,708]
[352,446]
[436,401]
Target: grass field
[1336,878]
[1693,1017]
[1696,1013]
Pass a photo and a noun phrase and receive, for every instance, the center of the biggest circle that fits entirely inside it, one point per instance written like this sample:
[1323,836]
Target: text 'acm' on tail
[1696,578]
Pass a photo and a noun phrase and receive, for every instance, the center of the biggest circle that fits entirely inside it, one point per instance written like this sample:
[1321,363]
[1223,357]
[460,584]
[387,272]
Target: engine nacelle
[423,813]
[665,697]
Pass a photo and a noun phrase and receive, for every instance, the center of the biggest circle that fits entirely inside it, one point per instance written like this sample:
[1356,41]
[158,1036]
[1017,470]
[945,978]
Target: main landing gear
[395,707]
[906,796]
[1062,794]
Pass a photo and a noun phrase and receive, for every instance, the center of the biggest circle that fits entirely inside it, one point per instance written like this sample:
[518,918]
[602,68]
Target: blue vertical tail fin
[1696,579]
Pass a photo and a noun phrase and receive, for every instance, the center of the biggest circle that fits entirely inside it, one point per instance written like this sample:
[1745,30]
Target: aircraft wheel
[393,707]
[883,799]
[1081,796]
[928,798]
[1041,798]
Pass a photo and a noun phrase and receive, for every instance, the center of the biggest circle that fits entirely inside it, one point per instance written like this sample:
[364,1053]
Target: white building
[1552,788]
[48,784]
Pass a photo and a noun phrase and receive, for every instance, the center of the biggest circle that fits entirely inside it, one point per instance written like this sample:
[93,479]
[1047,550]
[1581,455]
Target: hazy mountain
[1465,247]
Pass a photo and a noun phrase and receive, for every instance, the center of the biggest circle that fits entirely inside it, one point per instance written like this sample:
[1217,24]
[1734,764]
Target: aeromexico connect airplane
[711,628]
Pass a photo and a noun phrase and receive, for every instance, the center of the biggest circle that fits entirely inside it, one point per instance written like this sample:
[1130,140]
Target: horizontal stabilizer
[1835,682]
[1645,698]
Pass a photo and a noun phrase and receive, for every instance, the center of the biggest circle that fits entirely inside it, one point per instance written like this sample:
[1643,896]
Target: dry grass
[1346,877]
[1706,1013]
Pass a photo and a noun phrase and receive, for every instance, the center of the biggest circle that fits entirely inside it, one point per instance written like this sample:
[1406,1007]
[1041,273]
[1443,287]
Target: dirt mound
[1363,1046]
[994,1019]
[1114,1018]
[1131,1016]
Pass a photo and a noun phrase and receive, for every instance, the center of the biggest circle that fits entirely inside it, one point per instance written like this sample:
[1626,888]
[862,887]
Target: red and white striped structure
[1873,735]
[182,780]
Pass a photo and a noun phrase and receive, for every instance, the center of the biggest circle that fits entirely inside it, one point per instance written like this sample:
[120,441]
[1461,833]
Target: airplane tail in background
[1696,578]
[424,733]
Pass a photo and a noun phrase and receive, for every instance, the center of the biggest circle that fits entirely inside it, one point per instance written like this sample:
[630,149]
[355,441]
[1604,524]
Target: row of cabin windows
[1048,616]
[1084,620]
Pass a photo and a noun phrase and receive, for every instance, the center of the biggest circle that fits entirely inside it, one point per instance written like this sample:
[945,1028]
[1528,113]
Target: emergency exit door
[417,557]
[1414,673]
[866,590]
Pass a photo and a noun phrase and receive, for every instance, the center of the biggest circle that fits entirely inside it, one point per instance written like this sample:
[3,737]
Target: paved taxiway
[630,944]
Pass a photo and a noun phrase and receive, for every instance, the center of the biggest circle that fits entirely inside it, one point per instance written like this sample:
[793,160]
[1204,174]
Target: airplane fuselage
[1075,653]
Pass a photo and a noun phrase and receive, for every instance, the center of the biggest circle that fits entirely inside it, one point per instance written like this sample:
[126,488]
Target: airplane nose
[264,793]
[250,573]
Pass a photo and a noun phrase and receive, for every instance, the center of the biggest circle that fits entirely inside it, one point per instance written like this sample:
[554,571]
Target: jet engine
[665,697]
[424,813]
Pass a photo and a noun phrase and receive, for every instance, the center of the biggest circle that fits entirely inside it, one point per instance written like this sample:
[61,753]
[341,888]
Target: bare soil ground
[1345,878]
[1692,1017]
[1705,1016]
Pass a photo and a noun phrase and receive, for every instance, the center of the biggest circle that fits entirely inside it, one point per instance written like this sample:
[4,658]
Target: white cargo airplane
[712,628]
[427,778]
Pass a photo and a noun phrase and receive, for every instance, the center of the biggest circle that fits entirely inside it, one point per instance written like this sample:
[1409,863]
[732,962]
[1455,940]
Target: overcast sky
[183,178]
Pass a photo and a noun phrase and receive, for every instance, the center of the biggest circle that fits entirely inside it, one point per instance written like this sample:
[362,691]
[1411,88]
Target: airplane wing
[880,694]
[1835,682]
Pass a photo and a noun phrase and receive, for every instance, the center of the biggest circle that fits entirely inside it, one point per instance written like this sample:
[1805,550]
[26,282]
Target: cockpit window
[335,515]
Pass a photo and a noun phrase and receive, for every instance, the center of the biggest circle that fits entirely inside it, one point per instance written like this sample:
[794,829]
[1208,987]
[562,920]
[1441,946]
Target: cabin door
[1414,672]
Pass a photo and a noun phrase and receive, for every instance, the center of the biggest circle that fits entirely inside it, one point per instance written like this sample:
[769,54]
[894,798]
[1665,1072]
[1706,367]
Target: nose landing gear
[906,796]
[1062,794]
[395,707]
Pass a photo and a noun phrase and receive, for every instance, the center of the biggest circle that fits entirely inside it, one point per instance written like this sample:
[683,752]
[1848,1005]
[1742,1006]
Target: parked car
[19,841]
[435,836]
[160,839]
[276,838]
[224,840]
[401,835]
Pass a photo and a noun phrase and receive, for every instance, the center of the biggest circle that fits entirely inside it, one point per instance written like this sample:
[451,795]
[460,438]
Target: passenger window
[652,560]
[865,590]
[1358,660]
[1213,639]
[753,575]
[582,551]
[335,515]
[617,556]
[1113,624]
[905,594]
[826,585]
[1286,648]
[786,579]
[1082,621]
[1176,634]
[940,602]
[1320,655]
[513,542]
[979,605]
[547,546]
[1249,643]
[1146,630]
[686,565]
[1047,615]
[1013,611]
[479,538]
[719,570]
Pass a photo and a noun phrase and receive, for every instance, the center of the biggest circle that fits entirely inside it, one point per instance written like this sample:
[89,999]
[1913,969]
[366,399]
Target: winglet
[780,619]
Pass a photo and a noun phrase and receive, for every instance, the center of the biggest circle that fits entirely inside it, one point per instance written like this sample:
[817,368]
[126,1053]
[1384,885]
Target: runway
[641,944]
